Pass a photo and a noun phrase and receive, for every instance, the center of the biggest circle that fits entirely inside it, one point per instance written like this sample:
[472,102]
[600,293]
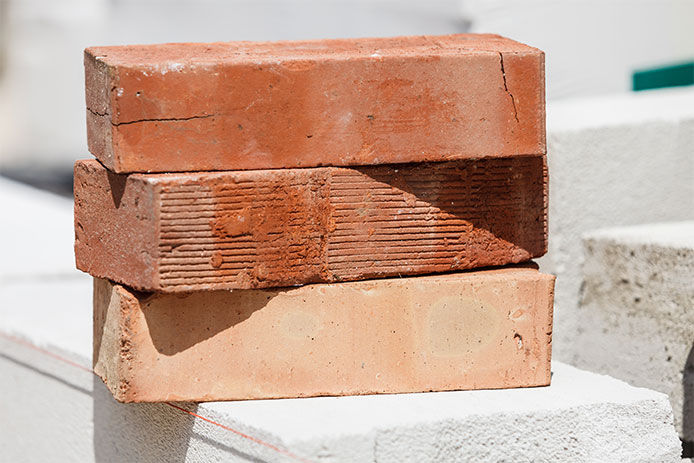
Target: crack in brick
[503,74]
[166,119]
[97,113]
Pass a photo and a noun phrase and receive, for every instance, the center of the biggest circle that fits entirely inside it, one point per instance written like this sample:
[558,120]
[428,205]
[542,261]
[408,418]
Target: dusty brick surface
[273,228]
[245,105]
[473,330]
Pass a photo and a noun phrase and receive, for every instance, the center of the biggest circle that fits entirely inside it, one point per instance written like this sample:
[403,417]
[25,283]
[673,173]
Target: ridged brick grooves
[250,229]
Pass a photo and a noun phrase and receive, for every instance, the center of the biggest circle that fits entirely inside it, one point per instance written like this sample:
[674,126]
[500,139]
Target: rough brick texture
[245,105]
[272,228]
[474,330]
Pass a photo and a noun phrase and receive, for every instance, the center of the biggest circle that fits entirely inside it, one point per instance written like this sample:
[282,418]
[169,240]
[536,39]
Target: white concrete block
[56,412]
[581,417]
[37,233]
[54,312]
[613,161]
[637,311]
[52,411]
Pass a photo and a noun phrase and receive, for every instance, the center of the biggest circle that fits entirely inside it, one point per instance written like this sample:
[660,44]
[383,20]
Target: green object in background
[668,76]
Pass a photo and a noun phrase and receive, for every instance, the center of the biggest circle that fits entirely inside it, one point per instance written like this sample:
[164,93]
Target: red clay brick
[245,105]
[285,227]
[475,330]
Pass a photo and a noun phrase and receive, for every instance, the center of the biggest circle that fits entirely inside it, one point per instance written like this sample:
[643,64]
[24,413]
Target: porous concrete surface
[581,417]
[637,311]
[613,161]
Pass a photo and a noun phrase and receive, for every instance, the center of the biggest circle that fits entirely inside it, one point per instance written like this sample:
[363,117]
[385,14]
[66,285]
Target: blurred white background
[592,46]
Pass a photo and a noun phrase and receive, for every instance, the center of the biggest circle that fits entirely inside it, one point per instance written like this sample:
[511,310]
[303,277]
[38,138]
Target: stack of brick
[333,217]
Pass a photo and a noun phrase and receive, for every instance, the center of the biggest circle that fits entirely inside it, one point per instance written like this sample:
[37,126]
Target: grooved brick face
[244,105]
[273,228]
[473,330]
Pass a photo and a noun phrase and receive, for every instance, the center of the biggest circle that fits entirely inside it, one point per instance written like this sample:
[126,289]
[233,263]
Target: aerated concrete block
[581,417]
[637,311]
[615,160]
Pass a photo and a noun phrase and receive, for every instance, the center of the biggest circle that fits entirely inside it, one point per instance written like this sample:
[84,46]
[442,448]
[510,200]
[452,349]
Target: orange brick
[272,228]
[475,330]
[245,105]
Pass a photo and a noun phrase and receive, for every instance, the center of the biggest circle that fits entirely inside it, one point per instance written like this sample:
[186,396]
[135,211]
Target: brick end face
[475,330]
[544,328]
[518,70]
[115,227]
[545,214]
[98,87]
[98,83]
[100,141]
[113,310]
